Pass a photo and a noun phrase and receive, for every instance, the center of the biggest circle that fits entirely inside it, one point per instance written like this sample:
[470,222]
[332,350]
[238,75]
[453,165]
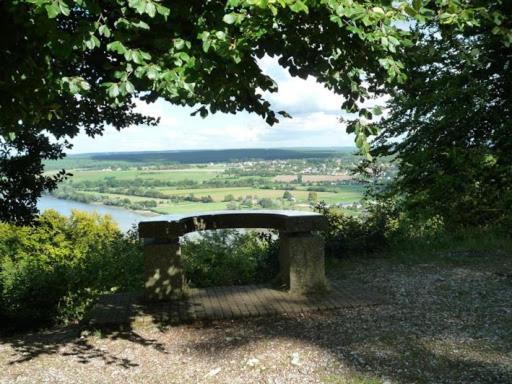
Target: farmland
[154,183]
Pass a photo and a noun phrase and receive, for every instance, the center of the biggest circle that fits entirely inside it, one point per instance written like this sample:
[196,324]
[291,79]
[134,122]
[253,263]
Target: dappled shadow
[442,327]
[384,341]
[74,341]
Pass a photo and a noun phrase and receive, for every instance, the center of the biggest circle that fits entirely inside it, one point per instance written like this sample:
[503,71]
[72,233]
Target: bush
[52,271]
[228,257]
[386,228]
[350,235]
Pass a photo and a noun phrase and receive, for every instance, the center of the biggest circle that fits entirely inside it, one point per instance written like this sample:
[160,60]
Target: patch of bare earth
[443,324]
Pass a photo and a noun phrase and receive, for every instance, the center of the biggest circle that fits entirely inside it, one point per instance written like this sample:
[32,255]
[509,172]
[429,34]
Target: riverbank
[125,218]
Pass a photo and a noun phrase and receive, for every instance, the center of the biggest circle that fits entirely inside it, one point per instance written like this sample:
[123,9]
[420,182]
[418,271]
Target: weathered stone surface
[305,254]
[163,273]
[301,254]
[283,277]
[289,221]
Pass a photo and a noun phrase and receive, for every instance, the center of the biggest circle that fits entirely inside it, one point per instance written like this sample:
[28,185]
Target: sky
[315,112]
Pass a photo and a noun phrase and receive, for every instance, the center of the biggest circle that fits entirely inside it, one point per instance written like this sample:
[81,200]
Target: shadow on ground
[444,325]
[74,341]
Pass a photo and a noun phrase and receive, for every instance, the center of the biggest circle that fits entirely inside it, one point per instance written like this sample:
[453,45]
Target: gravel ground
[446,322]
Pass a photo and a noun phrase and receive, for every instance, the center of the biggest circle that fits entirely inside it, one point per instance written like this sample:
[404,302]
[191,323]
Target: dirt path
[447,323]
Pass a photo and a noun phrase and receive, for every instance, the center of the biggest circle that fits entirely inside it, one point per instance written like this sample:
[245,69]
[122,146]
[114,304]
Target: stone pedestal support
[302,265]
[163,273]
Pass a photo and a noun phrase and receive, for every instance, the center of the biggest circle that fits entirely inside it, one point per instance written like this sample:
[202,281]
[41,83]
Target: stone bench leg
[163,272]
[302,265]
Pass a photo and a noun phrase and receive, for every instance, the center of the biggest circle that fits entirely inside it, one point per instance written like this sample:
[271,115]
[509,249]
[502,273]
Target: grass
[218,194]
[198,175]
[190,207]
[345,194]
[452,248]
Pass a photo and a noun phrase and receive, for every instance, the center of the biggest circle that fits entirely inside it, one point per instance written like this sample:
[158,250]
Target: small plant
[54,270]
[349,235]
[229,257]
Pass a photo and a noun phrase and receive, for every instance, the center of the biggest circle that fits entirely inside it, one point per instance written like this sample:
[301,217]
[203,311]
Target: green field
[131,186]
[195,174]
[164,206]
[218,194]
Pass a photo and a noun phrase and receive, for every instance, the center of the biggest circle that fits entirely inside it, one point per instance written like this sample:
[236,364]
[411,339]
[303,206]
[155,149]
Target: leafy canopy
[80,64]
[450,121]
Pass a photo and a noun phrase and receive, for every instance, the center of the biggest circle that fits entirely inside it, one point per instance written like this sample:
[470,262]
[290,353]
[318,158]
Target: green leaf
[113,90]
[117,47]
[90,44]
[393,40]
[152,72]
[299,6]
[129,87]
[164,11]
[137,57]
[84,85]
[63,7]
[104,31]
[52,10]
[410,11]
[360,139]
[138,5]
[237,58]
[230,18]
[206,45]
[74,88]
[377,110]
[150,9]
[145,55]
[141,24]
[179,43]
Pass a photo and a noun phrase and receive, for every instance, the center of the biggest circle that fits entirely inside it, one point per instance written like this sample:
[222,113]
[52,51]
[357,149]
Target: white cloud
[301,96]
[315,112]
[296,95]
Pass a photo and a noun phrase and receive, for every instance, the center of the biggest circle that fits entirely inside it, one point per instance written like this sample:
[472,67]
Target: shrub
[349,235]
[52,271]
[228,257]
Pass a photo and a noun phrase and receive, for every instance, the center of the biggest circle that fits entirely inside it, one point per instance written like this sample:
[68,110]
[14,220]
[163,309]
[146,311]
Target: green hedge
[228,257]
[52,271]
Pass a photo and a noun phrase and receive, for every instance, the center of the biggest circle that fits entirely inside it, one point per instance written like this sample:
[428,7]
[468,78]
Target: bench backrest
[285,221]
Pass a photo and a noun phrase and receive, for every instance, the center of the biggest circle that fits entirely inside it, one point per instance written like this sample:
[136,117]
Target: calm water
[124,218]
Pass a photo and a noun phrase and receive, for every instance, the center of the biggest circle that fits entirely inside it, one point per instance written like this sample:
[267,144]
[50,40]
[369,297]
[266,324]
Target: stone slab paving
[225,303]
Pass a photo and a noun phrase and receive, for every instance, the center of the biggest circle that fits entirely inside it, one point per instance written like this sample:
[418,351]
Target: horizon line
[211,149]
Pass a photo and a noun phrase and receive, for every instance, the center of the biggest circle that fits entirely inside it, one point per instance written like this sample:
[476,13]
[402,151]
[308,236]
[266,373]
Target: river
[124,217]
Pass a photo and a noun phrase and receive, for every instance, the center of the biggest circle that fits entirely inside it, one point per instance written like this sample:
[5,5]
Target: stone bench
[301,252]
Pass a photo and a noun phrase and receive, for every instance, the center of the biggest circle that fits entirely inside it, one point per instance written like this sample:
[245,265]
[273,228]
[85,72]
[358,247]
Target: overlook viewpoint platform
[301,250]
[301,285]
